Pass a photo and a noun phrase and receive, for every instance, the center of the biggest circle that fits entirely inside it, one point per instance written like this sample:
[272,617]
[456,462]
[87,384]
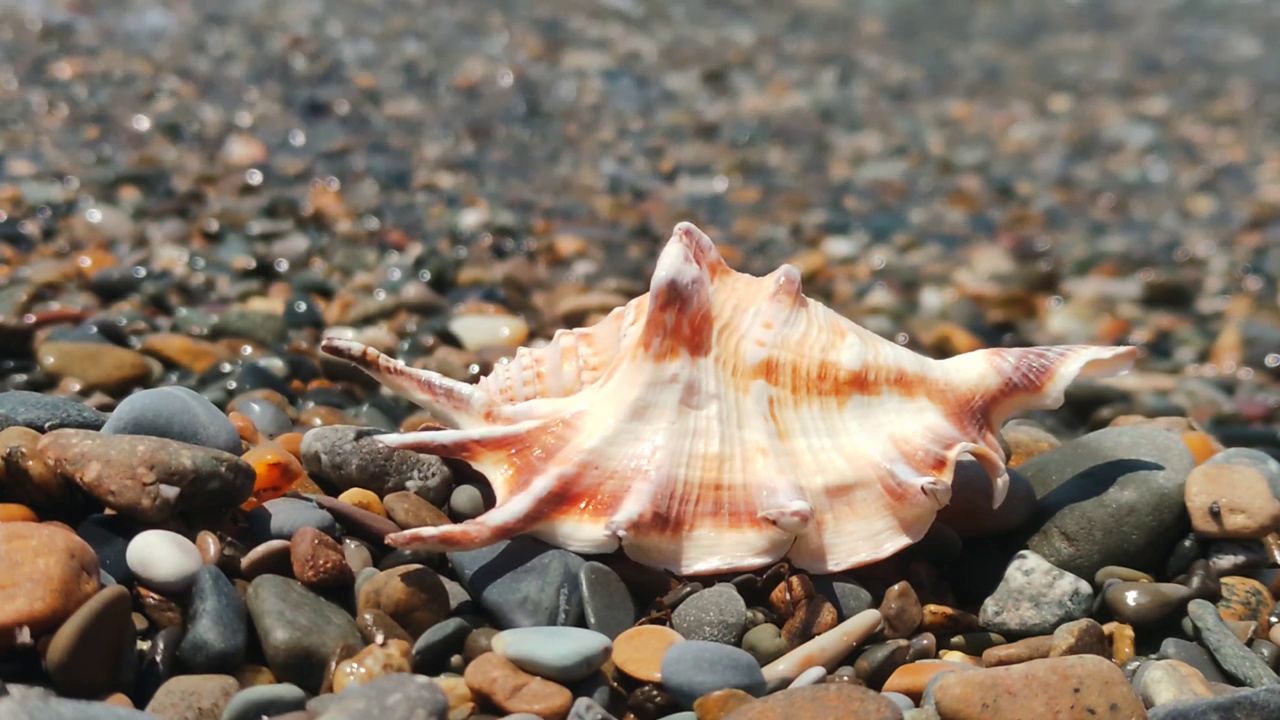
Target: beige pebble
[1230,502]
[638,651]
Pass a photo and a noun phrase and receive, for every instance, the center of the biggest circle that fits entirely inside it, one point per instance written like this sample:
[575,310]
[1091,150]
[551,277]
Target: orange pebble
[1201,444]
[291,442]
[638,651]
[364,499]
[13,512]
[277,470]
[243,425]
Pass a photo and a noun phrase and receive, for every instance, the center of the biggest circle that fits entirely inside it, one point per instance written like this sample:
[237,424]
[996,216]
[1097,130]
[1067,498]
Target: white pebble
[163,561]
[477,332]
[812,676]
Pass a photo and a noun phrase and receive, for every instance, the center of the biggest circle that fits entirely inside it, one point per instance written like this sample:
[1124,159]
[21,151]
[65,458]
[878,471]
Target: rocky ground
[192,193]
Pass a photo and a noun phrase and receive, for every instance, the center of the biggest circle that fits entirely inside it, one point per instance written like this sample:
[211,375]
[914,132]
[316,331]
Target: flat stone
[1080,686]
[607,604]
[177,413]
[827,649]
[1035,597]
[48,707]
[638,651]
[717,614]
[1258,704]
[299,631]
[193,697]
[500,682]
[911,679]
[44,413]
[828,701]
[85,655]
[95,366]
[1112,497]
[412,595]
[259,701]
[561,654]
[280,518]
[434,647]
[1142,603]
[1231,502]
[693,668]
[217,632]
[346,456]
[1194,655]
[1080,637]
[163,560]
[1245,457]
[1237,660]
[408,510]
[1166,681]
[357,521]
[148,478]
[49,573]
[523,582]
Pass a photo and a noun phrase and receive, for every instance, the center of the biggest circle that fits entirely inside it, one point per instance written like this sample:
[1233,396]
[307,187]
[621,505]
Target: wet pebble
[1140,603]
[256,702]
[561,654]
[412,595]
[176,413]
[693,668]
[607,604]
[266,416]
[281,518]
[163,560]
[217,631]
[299,631]
[434,647]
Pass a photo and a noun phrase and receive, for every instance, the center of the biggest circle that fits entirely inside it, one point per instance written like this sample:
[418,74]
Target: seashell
[722,421]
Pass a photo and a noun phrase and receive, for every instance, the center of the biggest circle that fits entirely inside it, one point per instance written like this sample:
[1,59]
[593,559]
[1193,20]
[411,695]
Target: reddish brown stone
[48,574]
[1080,686]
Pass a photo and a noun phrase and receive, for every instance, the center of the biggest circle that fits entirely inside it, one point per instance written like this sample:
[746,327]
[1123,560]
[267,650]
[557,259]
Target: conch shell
[723,421]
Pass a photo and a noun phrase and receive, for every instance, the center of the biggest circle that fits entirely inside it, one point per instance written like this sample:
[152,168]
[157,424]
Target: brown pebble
[1079,686]
[1230,502]
[83,657]
[789,594]
[638,651]
[1023,650]
[48,574]
[812,617]
[408,510]
[162,611]
[1123,642]
[901,611]
[828,701]
[718,704]
[25,474]
[944,620]
[1027,441]
[877,662]
[374,661]
[912,679]
[317,559]
[1080,637]
[13,512]
[413,595]
[366,500]
[513,690]
[251,675]
[119,700]
[184,351]
[462,703]
[273,557]
[210,547]
[376,626]
[95,366]
[478,642]
[193,697]
[1245,599]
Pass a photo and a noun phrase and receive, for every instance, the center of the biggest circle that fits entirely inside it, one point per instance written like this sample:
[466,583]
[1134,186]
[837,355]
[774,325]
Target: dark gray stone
[849,597]
[347,456]
[56,708]
[523,582]
[584,708]
[1237,660]
[693,668]
[1112,497]
[717,614]
[40,412]
[1258,704]
[399,696]
[217,625]
[109,537]
[280,518]
[606,601]
[176,413]
[1034,598]
[259,701]
[268,418]
[1194,655]
[298,630]
[434,647]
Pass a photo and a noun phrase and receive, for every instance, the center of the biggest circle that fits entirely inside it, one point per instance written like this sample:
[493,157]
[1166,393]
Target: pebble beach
[192,195]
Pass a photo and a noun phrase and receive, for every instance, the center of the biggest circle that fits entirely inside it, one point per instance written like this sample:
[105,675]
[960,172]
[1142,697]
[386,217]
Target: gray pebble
[298,629]
[348,456]
[258,701]
[42,413]
[217,632]
[560,654]
[267,417]
[1257,704]
[38,707]
[280,518]
[1237,660]
[1034,598]
[399,696]
[434,647]
[606,600]
[466,502]
[693,668]
[584,708]
[1251,458]
[176,413]
[717,614]
[523,582]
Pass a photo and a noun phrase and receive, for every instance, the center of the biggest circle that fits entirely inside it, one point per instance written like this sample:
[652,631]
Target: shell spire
[722,421]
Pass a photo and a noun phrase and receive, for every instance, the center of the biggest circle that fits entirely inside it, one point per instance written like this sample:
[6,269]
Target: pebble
[561,654]
[1080,637]
[148,478]
[1231,502]
[717,614]
[45,413]
[85,655]
[466,502]
[1236,456]
[318,560]
[849,597]
[266,416]
[1133,521]
[1081,686]
[901,611]
[176,413]
[1237,660]
[1141,603]
[299,631]
[944,620]
[877,662]
[970,512]
[346,456]
[693,668]
[95,366]
[434,647]
[163,560]
[259,701]
[718,704]
[281,518]
[399,696]
[765,643]
[912,679]
[1116,572]
[1035,597]
[1192,654]
[271,557]
[607,604]
[193,697]
[1259,704]
[412,595]
[829,701]
[827,649]
[24,472]
[638,652]
[49,573]
[523,582]
[1019,651]
[48,707]
[217,630]
[1244,599]
[1165,681]
[407,510]
[500,682]
[374,661]
[366,500]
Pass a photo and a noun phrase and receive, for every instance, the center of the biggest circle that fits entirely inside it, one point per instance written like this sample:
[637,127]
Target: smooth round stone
[44,413]
[717,614]
[466,502]
[176,413]
[825,701]
[1035,597]
[849,597]
[266,416]
[163,561]
[408,510]
[606,600]
[971,512]
[348,456]
[1242,457]
[523,582]
[259,701]
[1140,603]
[562,654]
[1192,654]
[84,656]
[1231,502]
[639,651]
[48,707]
[269,558]
[299,631]
[217,632]
[693,668]
[440,642]
[109,536]
[765,643]
[280,518]
[193,696]
[1116,572]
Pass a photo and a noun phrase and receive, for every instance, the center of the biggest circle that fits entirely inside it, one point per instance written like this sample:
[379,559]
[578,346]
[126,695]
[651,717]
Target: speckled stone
[717,614]
[1034,598]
